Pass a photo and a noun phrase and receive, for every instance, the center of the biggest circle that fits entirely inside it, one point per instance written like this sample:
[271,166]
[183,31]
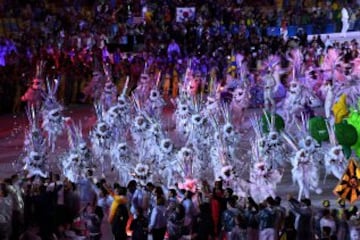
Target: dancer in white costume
[119,117]
[335,161]
[299,99]
[263,176]
[123,161]
[274,149]
[263,182]
[271,82]
[34,134]
[152,139]
[308,143]
[229,136]
[34,161]
[70,166]
[305,173]
[154,104]
[169,165]
[186,158]
[77,161]
[101,138]
[139,127]
[53,119]
[182,113]
[218,158]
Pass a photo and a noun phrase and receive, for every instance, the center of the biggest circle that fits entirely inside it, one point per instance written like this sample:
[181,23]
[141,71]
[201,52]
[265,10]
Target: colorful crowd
[73,37]
[75,42]
[54,208]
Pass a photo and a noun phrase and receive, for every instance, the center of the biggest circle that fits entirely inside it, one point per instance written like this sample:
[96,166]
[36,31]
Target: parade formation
[198,134]
[187,140]
[199,139]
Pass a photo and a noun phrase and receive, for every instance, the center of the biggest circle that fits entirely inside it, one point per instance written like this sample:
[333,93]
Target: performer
[329,98]
[240,102]
[299,99]
[344,21]
[305,173]
[335,160]
[52,114]
[263,182]
[142,196]
[77,161]
[271,82]
[101,137]
[34,147]
[34,94]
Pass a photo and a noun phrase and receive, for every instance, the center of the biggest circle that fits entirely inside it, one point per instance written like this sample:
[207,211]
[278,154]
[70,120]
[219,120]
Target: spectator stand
[337,36]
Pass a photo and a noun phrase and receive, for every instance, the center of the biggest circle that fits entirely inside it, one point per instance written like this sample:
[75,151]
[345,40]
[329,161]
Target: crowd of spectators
[75,37]
[56,208]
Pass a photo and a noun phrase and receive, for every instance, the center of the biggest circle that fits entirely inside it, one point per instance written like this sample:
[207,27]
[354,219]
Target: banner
[184,14]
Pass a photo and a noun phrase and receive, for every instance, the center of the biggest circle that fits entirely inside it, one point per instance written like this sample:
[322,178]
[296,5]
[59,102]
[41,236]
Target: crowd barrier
[308,29]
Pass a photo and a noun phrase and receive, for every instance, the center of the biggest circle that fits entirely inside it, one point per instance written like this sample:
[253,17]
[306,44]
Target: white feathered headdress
[51,102]
[142,173]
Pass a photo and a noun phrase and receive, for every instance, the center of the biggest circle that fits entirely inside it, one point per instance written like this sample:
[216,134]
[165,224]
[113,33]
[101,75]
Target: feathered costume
[263,182]
[35,93]
[299,100]
[53,119]
[118,116]
[123,160]
[305,173]
[101,138]
[76,162]
[271,81]
[35,162]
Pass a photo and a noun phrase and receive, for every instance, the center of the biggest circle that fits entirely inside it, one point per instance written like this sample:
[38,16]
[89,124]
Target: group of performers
[209,132]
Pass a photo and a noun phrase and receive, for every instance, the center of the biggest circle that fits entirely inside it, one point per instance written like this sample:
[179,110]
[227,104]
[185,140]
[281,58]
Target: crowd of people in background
[56,208]
[74,37]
